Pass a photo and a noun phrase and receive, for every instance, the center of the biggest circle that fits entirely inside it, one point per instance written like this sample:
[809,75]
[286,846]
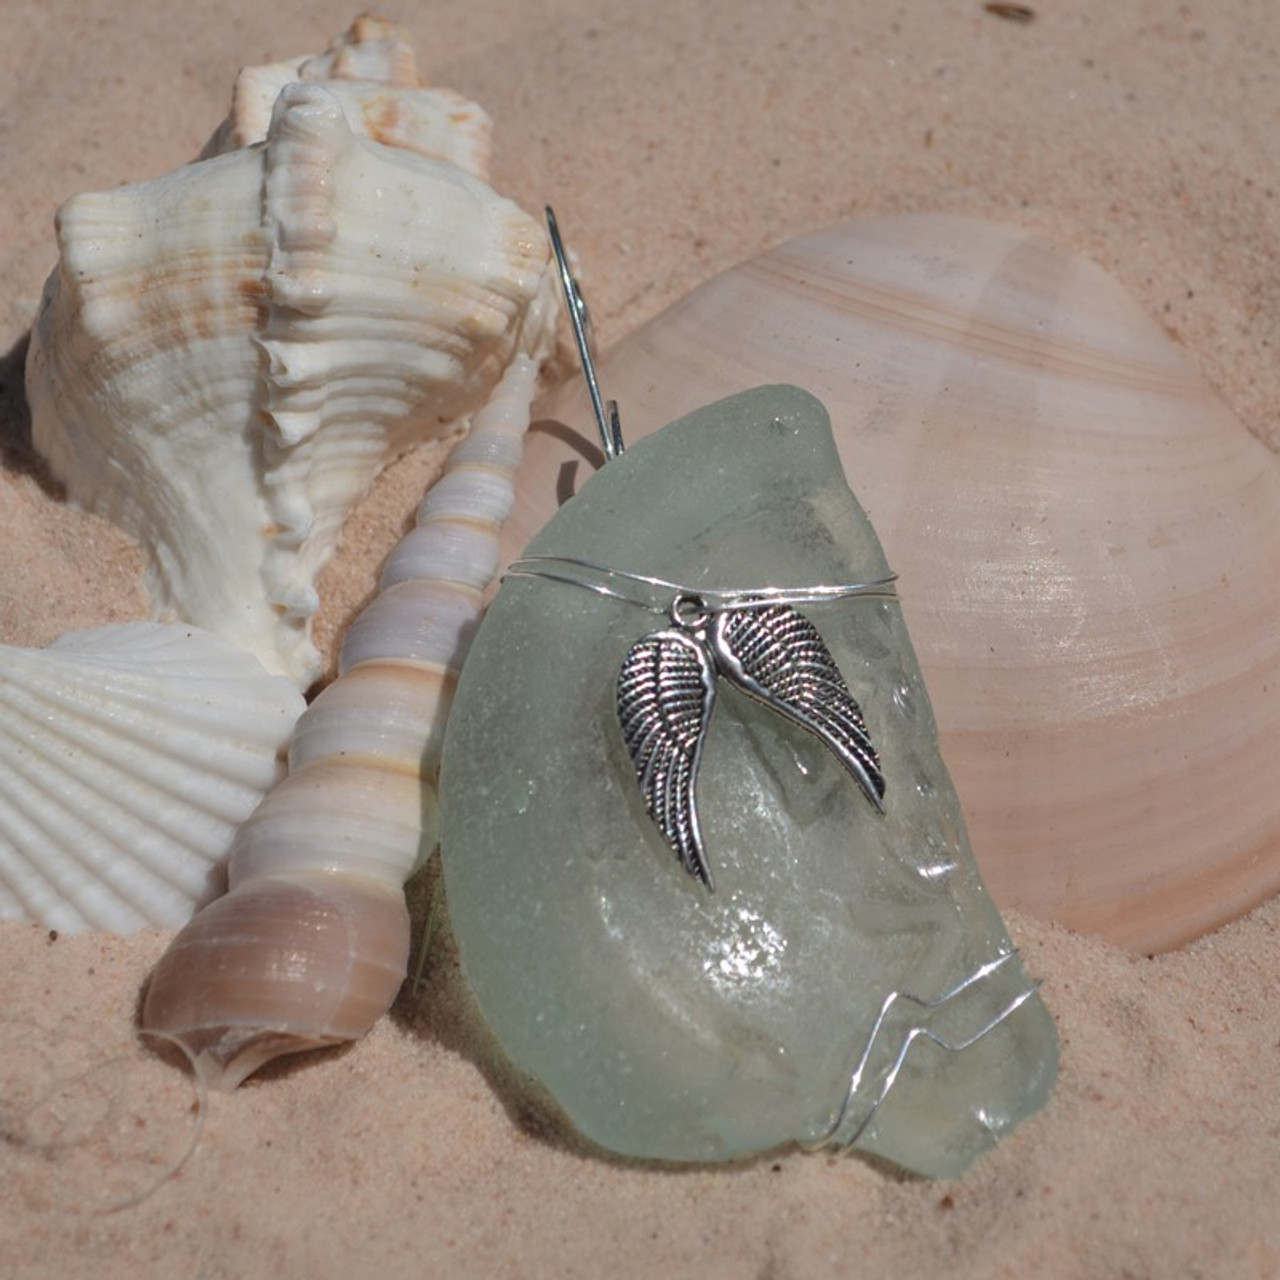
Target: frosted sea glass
[670,1022]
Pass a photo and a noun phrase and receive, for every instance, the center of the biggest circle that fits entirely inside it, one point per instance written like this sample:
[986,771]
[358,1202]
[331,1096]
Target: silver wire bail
[606,413]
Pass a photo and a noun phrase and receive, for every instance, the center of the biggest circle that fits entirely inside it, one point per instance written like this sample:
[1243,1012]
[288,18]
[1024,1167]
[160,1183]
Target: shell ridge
[31,887]
[197,808]
[1000,340]
[168,699]
[120,868]
[146,738]
[131,753]
[425,622]
[388,710]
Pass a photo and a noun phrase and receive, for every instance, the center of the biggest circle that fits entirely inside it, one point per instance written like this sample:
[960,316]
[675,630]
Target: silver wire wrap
[712,599]
[580,320]
[692,610]
[917,1030]
[662,596]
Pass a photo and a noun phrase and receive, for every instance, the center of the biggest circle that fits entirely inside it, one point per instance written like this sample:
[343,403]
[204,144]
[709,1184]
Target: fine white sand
[674,139]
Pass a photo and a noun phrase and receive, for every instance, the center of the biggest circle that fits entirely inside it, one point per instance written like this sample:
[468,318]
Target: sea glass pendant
[848,981]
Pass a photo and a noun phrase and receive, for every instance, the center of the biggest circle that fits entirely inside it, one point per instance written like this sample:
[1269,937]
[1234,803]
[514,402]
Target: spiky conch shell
[129,755]
[225,357]
[309,946]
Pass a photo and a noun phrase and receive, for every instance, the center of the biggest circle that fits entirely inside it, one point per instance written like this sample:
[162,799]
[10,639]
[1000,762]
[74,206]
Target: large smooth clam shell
[1086,540]
[129,755]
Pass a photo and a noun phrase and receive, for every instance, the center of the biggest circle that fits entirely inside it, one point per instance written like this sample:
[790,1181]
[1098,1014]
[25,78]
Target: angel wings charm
[667,690]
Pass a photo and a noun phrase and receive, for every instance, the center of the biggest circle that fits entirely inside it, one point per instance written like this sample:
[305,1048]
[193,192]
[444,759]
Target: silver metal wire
[580,318]
[712,599]
[916,1032]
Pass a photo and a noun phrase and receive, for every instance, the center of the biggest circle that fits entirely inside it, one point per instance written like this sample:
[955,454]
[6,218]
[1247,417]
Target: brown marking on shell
[355,960]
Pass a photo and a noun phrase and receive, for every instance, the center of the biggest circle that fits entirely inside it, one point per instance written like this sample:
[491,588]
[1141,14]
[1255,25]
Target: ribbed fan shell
[129,755]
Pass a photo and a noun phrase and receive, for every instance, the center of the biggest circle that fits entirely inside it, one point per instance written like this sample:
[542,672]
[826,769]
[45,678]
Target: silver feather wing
[776,655]
[666,689]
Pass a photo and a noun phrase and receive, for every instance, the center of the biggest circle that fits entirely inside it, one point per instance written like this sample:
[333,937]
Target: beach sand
[674,139]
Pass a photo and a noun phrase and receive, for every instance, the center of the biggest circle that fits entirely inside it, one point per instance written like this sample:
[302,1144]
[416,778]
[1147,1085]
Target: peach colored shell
[1085,539]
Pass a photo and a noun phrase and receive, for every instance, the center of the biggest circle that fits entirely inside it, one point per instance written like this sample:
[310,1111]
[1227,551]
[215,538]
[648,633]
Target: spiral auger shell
[309,946]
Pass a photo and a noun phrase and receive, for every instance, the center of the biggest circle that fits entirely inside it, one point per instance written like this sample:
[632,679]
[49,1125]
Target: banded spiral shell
[129,755]
[1085,537]
[309,946]
[273,324]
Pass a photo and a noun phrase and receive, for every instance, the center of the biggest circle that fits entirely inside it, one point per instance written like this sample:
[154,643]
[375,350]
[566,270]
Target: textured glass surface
[678,1024]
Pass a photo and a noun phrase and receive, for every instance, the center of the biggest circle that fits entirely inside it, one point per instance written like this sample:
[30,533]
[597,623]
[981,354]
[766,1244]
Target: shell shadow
[17,455]
[442,1010]
[568,478]
[435,1004]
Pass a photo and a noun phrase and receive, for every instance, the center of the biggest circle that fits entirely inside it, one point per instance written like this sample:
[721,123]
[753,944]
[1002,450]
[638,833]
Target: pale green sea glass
[673,1023]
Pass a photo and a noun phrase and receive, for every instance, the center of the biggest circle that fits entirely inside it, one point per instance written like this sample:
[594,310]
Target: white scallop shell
[129,755]
[226,356]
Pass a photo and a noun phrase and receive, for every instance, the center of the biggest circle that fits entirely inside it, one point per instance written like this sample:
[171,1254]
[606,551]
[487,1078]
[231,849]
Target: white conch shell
[225,357]
[1086,540]
[309,946]
[129,755]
